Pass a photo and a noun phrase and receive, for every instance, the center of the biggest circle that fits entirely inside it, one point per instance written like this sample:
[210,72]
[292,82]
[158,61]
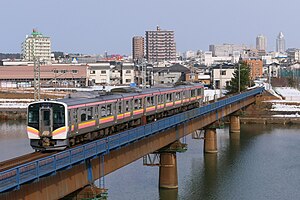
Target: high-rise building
[261,43]
[280,43]
[138,48]
[160,45]
[36,46]
[225,49]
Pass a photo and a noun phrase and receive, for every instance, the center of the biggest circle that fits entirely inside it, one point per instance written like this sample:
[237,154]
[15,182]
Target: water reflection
[210,175]
[168,194]
[13,139]
[263,163]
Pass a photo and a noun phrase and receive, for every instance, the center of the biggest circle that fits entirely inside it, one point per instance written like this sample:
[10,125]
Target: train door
[46,122]
[75,120]
[97,117]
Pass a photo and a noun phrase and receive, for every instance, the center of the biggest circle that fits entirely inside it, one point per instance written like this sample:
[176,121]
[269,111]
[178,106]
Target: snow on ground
[16,100]
[284,107]
[210,94]
[287,116]
[15,103]
[290,94]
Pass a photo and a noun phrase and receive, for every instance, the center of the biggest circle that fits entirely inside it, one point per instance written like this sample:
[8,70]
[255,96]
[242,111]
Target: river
[263,164]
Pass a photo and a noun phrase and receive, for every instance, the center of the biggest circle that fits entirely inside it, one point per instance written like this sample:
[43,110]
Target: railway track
[7,164]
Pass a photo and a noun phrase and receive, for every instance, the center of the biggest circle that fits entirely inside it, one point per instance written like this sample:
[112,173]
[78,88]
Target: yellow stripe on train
[59,130]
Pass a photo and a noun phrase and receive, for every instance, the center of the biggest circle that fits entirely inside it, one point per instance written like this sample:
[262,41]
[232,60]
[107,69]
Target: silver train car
[56,125]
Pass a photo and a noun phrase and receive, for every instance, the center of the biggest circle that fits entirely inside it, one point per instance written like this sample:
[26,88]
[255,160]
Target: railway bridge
[72,171]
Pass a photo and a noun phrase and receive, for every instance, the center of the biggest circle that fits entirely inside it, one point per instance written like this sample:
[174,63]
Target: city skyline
[94,27]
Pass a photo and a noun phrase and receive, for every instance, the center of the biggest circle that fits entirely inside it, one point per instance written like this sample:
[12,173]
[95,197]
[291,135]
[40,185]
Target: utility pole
[220,80]
[239,77]
[36,72]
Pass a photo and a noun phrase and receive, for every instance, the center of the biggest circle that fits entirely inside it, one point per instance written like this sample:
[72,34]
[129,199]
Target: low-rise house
[172,74]
[111,73]
[222,74]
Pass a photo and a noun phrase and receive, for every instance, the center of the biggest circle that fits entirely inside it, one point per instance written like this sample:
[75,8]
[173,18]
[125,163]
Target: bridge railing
[13,178]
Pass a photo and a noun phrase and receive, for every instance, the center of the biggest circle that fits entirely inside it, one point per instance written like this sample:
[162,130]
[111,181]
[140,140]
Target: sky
[96,26]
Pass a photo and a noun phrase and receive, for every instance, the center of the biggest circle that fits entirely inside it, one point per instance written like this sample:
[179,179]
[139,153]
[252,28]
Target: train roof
[96,96]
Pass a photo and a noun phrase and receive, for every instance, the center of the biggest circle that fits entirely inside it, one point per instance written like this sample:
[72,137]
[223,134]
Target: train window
[193,93]
[198,92]
[83,115]
[184,94]
[177,95]
[136,104]
[108,110]
[161,99]
[103,111]
[127,106]
[150,101]
[119,107]
[168,97]
[58,116]
[89,113]
[33,116]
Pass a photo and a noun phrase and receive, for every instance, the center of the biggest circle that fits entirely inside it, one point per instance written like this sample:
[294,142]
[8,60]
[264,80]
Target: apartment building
[160,45]
[138,48]
[256,68]
[36,46]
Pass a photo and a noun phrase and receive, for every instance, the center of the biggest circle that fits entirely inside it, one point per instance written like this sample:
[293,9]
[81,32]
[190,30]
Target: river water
[263,164]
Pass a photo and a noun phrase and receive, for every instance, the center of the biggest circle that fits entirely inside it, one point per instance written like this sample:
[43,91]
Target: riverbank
[270,108]
[13,113]
[14,102]
[270,120]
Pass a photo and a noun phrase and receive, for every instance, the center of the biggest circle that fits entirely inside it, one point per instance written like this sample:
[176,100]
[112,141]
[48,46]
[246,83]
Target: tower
[280,43]
[261,43]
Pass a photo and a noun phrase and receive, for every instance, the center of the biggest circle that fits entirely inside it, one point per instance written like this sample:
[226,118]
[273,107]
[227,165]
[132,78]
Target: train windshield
[33,116]
[58,116]
[46,116]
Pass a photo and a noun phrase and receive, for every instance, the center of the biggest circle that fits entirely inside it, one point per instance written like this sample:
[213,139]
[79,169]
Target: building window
[223,72]
[92,72]
[128,80]
[55,71]
[75,71]
[103,72]
[128,71]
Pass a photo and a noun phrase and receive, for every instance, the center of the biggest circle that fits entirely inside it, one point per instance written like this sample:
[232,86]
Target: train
[62,123]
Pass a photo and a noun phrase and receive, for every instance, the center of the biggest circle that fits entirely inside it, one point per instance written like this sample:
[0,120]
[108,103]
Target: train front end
[47,125]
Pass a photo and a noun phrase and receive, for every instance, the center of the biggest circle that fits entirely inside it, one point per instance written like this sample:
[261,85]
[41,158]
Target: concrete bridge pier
[168,178]
[235,127]
[210,141]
